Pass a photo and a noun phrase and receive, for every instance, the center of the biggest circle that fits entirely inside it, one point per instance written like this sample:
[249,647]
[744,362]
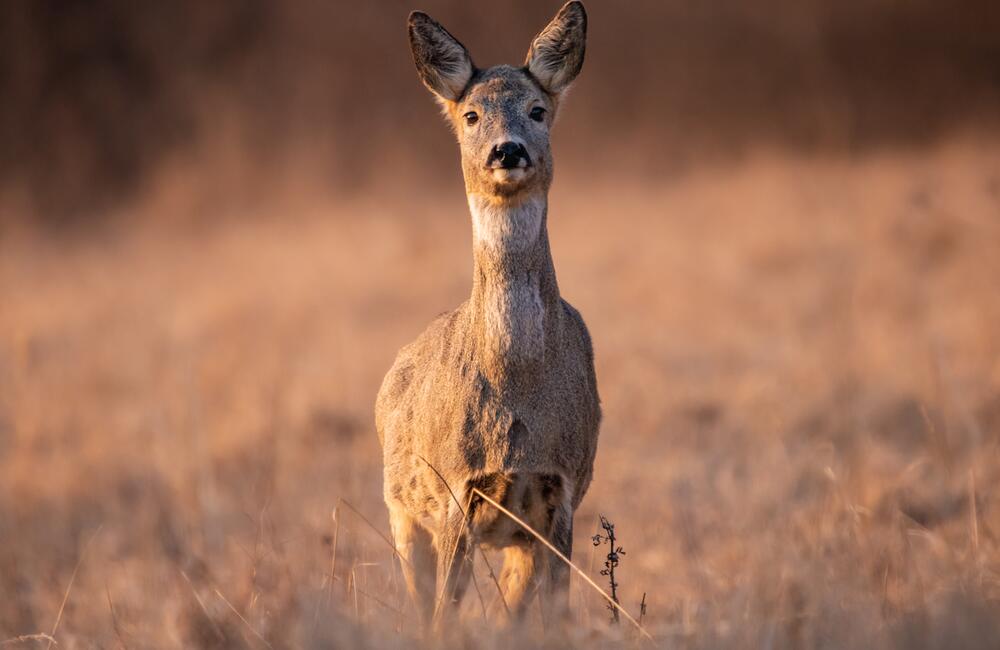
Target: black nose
[508,156]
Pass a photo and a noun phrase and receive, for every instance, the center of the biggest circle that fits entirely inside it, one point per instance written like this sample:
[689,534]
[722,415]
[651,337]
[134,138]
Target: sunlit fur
[500,394]
[503,98]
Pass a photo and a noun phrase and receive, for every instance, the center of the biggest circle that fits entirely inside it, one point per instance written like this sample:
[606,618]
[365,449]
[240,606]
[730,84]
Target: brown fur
[499,394]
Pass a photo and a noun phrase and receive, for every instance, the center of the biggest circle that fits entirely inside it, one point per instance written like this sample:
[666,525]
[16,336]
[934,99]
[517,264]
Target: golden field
[798,357]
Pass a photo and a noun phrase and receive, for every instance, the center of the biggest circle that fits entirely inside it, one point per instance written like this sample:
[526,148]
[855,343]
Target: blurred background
[220,221]
[97,98]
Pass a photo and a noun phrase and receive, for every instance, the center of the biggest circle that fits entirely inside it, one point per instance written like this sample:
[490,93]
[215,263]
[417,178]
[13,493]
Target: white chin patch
[509,175]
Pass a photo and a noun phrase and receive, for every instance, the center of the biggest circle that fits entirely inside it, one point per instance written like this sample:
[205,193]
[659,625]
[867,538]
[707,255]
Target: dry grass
[799,362]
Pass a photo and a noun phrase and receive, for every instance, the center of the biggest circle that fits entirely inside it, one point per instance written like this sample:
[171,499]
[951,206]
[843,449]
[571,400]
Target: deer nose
[508,155]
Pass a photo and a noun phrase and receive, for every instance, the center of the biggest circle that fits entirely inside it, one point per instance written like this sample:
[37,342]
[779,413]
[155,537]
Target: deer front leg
[454,566]
[555,601]
[417,558]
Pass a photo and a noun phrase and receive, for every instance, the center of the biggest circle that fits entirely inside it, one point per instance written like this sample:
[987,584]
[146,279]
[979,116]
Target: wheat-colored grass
[799,362]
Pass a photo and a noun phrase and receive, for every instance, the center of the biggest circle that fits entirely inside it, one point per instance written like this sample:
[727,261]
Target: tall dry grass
[799,361]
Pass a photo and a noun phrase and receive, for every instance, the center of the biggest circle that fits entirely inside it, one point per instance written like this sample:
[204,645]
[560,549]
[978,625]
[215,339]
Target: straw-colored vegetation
[799,363]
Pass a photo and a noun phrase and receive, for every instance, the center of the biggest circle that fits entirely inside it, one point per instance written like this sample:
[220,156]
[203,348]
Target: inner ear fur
[443,63]
[556,55]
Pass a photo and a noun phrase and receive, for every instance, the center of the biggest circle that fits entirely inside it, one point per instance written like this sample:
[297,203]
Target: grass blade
[565,559]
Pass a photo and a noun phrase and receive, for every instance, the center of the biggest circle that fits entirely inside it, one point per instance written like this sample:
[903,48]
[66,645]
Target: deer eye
[471,118]
[537,114]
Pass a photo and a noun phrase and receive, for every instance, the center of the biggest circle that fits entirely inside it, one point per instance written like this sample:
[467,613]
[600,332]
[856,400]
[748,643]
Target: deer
[499,396]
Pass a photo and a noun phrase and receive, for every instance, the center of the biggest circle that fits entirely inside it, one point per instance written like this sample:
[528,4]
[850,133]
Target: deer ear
[444,65]
[556,54]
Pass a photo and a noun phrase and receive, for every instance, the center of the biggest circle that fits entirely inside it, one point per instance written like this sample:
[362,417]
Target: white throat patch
[514,229]
[512,303]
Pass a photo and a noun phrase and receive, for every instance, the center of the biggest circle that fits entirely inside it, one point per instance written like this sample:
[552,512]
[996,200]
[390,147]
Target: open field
[799,360]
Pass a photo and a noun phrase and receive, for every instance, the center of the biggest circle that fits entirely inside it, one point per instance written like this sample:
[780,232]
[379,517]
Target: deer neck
[514,290]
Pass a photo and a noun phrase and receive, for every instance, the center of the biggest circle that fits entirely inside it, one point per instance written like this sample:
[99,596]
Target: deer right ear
[556,54]
[444,65]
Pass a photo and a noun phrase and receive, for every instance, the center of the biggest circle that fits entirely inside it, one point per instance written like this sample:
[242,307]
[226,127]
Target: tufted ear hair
[444,65]
[556,54]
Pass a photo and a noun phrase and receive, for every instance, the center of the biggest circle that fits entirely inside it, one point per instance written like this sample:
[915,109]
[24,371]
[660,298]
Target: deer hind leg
[533,569]
[519,578]
[418,557]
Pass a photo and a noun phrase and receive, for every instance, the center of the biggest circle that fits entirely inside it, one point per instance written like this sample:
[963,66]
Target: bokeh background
[99,97]
[219,221]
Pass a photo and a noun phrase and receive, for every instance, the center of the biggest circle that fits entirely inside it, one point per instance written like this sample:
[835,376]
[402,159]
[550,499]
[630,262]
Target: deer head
[502,115]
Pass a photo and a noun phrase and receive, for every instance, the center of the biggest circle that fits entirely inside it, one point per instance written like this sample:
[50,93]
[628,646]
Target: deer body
[500,394]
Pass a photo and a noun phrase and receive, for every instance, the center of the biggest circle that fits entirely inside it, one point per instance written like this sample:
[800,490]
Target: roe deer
[500,394]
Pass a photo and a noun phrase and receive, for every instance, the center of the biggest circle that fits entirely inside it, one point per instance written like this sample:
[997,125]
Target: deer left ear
[444,65]
[556,54]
